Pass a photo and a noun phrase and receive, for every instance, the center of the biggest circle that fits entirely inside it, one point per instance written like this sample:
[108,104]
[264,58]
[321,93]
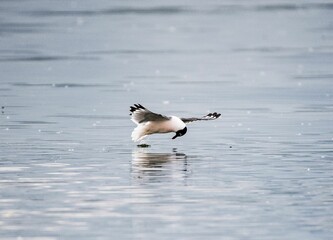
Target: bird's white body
[174,124]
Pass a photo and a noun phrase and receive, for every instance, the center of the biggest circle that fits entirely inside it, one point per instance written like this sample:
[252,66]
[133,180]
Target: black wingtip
[214,115]
[135,107]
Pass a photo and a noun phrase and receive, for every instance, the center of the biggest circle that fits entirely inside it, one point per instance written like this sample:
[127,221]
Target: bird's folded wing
[210,116]
[141,114]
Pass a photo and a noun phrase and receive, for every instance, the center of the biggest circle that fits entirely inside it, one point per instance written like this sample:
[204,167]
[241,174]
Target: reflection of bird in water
[157,165]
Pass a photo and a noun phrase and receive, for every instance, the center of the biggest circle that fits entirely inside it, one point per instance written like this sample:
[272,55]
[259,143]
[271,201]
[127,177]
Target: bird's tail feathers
[139,133]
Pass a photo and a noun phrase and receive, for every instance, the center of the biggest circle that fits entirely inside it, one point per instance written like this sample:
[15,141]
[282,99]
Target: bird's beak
[175,136]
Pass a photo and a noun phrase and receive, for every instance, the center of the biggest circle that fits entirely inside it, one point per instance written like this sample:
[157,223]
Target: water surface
[71,69]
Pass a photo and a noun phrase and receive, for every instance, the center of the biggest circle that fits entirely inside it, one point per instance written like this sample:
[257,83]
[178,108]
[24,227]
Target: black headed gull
[150,123]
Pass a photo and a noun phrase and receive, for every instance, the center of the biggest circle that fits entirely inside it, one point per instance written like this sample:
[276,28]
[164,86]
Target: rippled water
[71,69]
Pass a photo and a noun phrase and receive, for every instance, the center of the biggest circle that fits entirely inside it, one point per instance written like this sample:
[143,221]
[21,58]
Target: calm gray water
[71,69]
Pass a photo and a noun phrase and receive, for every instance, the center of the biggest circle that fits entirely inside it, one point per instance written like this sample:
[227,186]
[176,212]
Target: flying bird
[150,123]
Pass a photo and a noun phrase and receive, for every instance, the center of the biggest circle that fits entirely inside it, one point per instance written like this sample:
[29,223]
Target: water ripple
[172,10]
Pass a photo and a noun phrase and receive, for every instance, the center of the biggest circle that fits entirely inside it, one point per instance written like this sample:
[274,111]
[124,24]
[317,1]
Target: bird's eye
[183,131]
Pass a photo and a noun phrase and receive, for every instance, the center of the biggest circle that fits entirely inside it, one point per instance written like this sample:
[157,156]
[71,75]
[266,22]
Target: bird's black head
[180,133]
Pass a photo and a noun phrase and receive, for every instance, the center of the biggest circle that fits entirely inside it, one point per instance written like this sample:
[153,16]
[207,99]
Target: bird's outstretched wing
[141,114]
[210,116]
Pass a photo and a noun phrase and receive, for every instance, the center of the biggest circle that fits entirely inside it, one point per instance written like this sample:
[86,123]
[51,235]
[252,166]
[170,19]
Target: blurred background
[71,69]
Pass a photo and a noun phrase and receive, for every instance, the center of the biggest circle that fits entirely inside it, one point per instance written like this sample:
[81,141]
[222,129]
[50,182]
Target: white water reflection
[159,167]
